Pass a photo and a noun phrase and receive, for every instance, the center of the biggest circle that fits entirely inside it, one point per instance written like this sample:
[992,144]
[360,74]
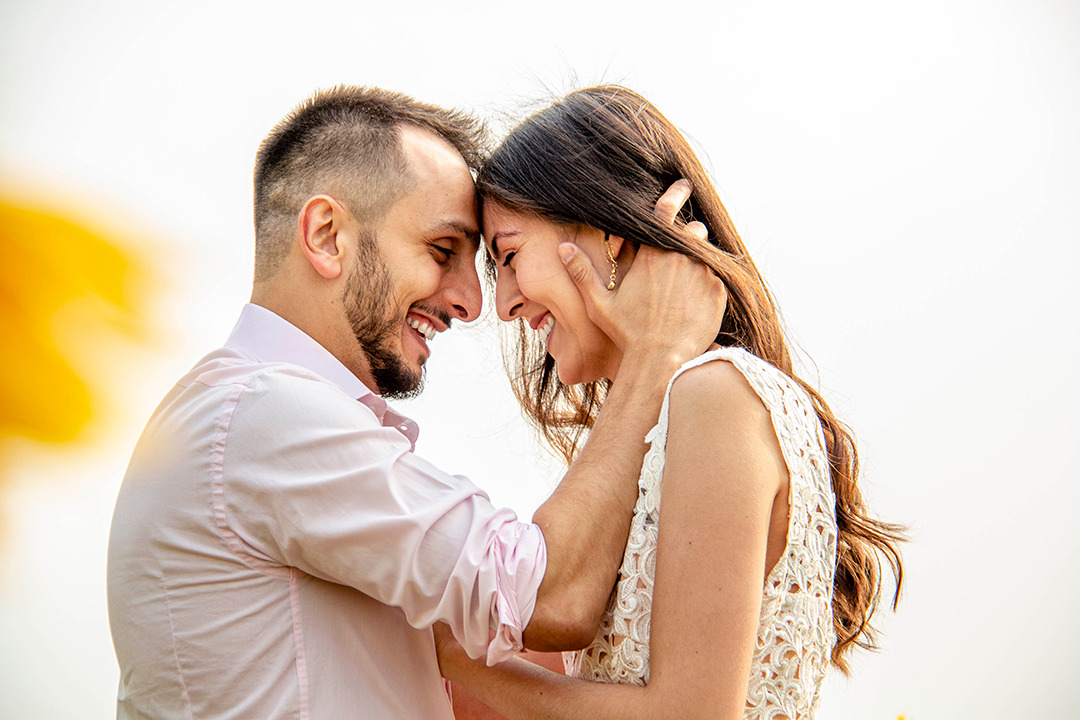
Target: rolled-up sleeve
[307,477]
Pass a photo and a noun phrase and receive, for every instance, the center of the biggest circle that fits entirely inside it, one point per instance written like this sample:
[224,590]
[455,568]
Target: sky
[904,174]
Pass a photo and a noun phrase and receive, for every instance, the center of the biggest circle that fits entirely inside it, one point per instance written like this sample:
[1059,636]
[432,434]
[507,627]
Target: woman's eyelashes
[508,257]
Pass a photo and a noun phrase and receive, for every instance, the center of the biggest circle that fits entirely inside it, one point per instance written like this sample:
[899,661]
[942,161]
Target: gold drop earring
[611,259]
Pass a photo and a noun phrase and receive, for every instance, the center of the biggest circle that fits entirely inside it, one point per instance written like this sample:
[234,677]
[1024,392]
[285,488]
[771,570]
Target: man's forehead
[441,199]
[426,150]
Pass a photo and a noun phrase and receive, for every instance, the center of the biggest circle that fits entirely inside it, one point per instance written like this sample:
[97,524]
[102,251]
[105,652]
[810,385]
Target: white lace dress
[795,633]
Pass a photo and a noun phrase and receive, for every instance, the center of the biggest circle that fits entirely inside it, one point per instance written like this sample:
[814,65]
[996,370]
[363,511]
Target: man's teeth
[423,328]
[545,329]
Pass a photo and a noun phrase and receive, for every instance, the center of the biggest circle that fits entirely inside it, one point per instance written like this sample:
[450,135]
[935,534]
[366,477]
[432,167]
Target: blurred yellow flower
[51,266]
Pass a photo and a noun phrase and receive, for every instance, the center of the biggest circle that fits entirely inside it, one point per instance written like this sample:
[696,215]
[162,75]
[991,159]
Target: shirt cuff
[518,577]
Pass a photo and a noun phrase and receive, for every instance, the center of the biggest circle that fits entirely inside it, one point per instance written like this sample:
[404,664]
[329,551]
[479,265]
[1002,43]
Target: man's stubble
[368,302]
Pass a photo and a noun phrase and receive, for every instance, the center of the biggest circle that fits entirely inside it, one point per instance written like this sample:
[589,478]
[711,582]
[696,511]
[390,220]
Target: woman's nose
[508,298]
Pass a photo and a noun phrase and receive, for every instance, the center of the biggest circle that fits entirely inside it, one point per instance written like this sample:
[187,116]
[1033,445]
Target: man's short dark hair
[344,142]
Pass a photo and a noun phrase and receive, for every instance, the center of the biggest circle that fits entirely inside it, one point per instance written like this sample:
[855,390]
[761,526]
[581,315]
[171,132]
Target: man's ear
[319,222]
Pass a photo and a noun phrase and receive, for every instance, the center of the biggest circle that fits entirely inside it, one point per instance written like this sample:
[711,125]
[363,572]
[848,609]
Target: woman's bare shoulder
[720,421]
[716,388]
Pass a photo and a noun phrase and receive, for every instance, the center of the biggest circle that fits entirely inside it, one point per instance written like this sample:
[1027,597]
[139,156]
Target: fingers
[669,204]
[672,201]
[698,230]
[583,274]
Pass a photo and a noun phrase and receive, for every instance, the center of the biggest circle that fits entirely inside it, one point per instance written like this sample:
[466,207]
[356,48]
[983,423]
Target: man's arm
[667,311]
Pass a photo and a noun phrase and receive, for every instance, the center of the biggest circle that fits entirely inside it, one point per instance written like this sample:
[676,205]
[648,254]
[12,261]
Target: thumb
[583,274]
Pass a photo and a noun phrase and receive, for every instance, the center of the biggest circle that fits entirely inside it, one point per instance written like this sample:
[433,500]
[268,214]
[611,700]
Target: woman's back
[795,632]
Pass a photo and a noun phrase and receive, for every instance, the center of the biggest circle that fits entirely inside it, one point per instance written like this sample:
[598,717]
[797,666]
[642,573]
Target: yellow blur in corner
[61,286]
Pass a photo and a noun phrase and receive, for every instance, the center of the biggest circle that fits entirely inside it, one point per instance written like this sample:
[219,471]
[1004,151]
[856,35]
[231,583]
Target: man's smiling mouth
[421,327]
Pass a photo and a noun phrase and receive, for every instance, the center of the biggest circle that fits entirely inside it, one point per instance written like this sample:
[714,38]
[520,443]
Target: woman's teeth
[423,328]
[545,329]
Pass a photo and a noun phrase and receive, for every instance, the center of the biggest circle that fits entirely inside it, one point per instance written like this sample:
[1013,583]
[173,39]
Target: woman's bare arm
[469,707]
[724,470]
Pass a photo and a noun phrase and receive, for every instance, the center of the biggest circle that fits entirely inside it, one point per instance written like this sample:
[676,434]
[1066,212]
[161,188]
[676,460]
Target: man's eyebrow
[453,226]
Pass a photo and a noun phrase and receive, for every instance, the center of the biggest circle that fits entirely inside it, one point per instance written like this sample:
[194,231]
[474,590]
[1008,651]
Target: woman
[762,568]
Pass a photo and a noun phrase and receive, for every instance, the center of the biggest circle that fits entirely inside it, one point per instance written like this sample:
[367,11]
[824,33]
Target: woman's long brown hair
[601,157]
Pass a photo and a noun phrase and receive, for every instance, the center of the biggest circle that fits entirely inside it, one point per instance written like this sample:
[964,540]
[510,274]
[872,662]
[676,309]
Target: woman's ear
[623,251]
[319,222]
[616,243]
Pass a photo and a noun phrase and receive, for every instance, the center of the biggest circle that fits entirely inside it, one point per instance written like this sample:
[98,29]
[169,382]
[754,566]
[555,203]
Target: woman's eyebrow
[495,240]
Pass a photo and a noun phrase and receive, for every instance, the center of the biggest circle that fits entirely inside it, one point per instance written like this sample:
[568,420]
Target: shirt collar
[267,337]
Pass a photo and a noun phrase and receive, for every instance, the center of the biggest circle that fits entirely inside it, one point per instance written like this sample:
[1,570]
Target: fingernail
[567,251]
[689,184]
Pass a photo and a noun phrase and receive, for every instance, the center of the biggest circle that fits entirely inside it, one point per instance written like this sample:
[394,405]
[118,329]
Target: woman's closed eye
[507,258]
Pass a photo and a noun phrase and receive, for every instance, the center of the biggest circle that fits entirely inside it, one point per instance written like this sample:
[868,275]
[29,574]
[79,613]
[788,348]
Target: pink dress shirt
[279,551]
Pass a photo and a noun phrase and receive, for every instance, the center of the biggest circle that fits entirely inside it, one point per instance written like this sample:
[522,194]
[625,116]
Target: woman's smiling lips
[537,320]
[542,324]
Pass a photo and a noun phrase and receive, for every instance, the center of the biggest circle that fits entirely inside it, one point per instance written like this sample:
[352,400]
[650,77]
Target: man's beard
[368,297]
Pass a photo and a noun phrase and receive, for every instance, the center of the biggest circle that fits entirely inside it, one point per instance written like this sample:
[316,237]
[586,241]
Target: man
[277,549]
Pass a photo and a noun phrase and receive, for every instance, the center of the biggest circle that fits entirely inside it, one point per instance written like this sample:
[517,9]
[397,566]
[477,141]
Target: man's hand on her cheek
[667,301]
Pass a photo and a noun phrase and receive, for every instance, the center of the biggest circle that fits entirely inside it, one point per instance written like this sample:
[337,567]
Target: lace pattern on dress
[795,632]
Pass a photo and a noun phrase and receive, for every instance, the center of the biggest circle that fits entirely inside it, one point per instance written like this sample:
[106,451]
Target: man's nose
[464,293]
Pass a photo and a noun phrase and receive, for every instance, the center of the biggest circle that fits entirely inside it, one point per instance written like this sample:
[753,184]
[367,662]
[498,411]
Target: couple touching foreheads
[278,550]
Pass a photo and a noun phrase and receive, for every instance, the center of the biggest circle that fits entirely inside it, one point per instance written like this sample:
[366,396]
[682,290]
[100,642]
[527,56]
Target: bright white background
[904,173]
